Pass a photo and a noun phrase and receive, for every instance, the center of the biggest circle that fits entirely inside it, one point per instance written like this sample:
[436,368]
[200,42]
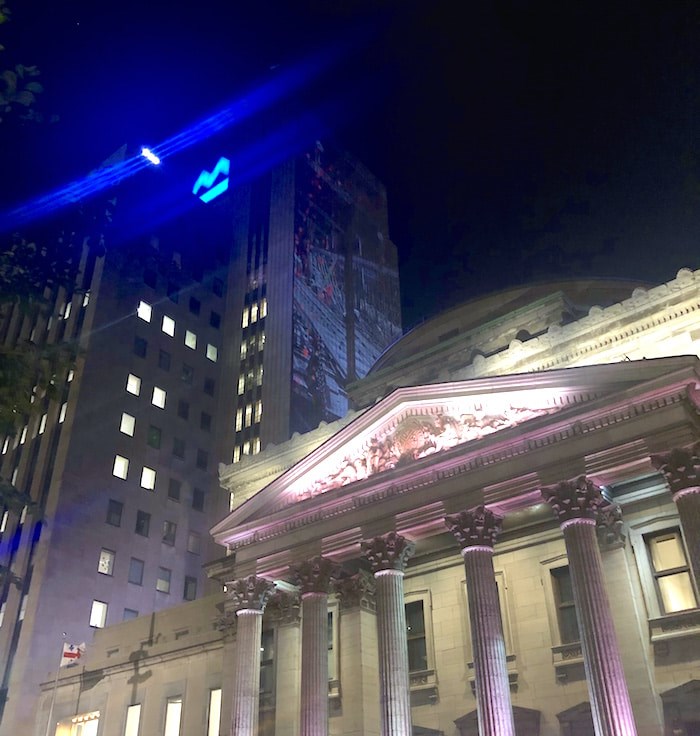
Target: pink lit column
[576,504]
[681,468]
[476,532]
[247,597]
[388,556]
[314,578]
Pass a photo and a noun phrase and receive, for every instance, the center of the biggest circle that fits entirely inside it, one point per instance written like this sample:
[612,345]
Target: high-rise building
[175,321]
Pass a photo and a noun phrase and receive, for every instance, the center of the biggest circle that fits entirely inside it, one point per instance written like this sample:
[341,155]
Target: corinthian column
[314,578]
[681,468]
[476,532]
[388,556]
[576,504]
[247,597]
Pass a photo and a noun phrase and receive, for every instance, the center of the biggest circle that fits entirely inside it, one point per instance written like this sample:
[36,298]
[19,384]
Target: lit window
[253,313]
[3,606]
[133,384]
[259,376]
[169,532]
[258,411]
[263,307]
[148,478]
[86,298]
[564,601]
[190,591]
[256,445]
[239,420]
[144,311]
[98,614]
[261,341]
[190,340]
[237,454]
[173,713]
[194,542]
[241,385]
[22,608]
[121,467]
[62,412]
[246,317]
[214,718]
[105,565]
[212,352]
[3,520]
[246,448]
[244,349]
[127,424]
[133,712]
[69,307]
[163,580]
[158,398]
[6,444]
[136,571]
[23,435]
[69,377]
[248,415]
[168,325]
[671,572]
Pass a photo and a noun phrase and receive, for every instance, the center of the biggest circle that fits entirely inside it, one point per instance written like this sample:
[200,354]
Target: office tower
[123,466]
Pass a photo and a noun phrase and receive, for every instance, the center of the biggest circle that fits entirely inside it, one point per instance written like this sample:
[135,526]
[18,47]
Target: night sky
[518,141]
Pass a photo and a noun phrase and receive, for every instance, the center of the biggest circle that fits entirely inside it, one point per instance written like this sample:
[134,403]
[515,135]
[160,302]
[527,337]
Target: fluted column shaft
[476,531]
[388,556]
[246,673]
[577,504]
[314,664]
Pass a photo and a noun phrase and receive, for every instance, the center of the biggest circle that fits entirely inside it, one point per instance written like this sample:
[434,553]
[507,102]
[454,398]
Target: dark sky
[517,140]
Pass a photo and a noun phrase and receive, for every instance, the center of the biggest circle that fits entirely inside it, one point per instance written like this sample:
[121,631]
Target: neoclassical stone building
[503,538]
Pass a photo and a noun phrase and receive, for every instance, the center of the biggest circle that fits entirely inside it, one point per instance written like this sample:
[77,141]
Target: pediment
[420,422]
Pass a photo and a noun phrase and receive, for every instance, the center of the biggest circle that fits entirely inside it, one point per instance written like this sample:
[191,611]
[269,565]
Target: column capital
[609,527]
[357,591]
[315,575]
[680,467]
[574,499]
[249,593]
[477,527]
[389,552]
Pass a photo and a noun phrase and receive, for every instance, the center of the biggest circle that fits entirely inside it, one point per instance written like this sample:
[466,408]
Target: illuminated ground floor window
[84,724]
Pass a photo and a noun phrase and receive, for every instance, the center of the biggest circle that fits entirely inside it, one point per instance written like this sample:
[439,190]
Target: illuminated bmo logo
[213,183]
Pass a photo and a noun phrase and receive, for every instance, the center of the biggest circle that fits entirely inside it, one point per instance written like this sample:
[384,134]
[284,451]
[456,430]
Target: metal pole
[55,686]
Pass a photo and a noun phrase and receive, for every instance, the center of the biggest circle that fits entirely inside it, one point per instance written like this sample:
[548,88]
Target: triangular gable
[414,422]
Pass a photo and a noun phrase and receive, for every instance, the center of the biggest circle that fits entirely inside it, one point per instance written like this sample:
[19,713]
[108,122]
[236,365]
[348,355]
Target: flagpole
[55,686]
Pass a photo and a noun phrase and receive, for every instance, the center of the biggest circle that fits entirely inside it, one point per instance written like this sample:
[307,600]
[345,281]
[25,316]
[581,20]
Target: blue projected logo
[207,178]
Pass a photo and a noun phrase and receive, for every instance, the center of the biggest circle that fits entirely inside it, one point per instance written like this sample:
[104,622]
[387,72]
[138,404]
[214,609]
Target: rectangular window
[62,412]
[195,305]
[183,409]
[263,307]
[267,666]
[133,712]
[215,320]
[190,340]
[168,325]
[197,499]
[173,714]
[241,385]
[130,613]
[105,565]
[143,523]
[179,447]
[256,445]
[153,437]
[169,532]
[133,384]
[209,386]
[245,321]
[194,542]
[564,601]
[140,347]
[164,360]
[248,415]
[120,468]
[144,311]
[669,565]
[148,478]
[254,312]
[202,459]
[415,634]
[190,591]
[114,512]
[136,571]
[127,424]
[158,398]
[239,419]
[244,350]
[174,488]
[214,718]
[98,614]
[42,424]
[205,421]
[163,581]
[217,286]
[212,352]
[258,411]
[187,374]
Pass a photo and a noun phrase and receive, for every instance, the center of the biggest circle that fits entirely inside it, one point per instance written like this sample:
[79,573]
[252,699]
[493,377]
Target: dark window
[195,305]
[183,409]
[164,360]
[173,293]
[190,592]
[153,437]
[143,523]
[202,459]
[415,633]
[140,347]
[169,532]
[198,499]
[209,386]
[163,581]
[205,422]
[267,666]
[150,278]
[178,447]
[114,512]
[130,613]
[566,610]
[136,571]
[217,286]
[215,319]
[174,488]
[187,373]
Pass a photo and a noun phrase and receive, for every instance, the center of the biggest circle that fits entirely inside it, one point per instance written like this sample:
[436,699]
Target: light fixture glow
[150,156]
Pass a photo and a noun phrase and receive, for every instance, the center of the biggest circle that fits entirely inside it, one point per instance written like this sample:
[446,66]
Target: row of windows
[164,363]
[145,312]
[252,414]
[254,312]
[127,426]
[253,344]
[159,395]
[115,509]
[120,468]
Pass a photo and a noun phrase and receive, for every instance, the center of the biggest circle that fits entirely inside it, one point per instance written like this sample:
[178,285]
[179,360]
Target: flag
[71,653]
